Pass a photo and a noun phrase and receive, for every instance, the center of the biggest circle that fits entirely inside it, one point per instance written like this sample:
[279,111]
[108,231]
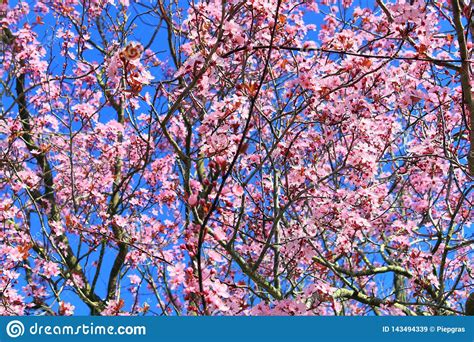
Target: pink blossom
[134,279]
[50,269]
[193,200]
[66,309]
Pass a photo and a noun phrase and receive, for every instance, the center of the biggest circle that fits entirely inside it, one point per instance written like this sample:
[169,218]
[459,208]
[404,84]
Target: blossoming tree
[236,157]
